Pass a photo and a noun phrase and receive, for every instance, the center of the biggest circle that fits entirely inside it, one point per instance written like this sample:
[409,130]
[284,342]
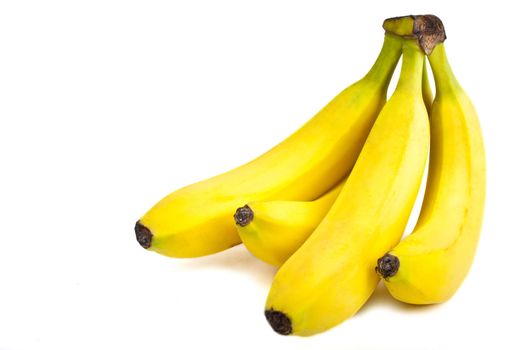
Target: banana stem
[386,61]
[412,67]
[443,75]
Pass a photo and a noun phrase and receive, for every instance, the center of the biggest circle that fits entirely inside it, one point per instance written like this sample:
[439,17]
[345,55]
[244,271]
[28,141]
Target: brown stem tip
[387,266]
[279,321]
[243,216]
[143,234]
[427,29]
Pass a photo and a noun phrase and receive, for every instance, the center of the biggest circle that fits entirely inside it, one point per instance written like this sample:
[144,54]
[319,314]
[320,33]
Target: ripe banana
[197,220]
[428,96]
[429,265]
[274,230]
[332,274]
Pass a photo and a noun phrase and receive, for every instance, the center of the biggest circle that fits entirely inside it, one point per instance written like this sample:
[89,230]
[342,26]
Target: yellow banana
[274,230]
[429,265]
[428,96]
[332,274]
[197,220]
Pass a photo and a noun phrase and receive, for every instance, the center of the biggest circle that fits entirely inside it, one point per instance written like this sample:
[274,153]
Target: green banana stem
[411,75]
[402,26]
[386,61]
[444,77]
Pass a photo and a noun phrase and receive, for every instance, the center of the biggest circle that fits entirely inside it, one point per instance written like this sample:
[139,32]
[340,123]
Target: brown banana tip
[143,234]
[243,216]
[387,266]
[279,322]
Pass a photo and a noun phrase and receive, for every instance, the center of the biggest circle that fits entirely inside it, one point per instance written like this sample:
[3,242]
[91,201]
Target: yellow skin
[428,96]
[197,220]
[279,228]
[331,275]
[405,27]
[436,257]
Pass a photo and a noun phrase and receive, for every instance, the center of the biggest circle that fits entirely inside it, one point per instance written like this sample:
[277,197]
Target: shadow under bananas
[382,298]
[237,259]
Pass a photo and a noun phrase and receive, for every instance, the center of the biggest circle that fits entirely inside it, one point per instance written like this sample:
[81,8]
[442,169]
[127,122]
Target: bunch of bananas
[329,204]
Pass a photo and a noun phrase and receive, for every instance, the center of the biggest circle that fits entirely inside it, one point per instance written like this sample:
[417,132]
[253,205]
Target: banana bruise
[331,275]
[273,230]
[197,220]
[430,264]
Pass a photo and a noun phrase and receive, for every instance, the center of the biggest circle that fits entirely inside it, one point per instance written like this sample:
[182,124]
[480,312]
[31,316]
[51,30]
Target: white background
[106,106]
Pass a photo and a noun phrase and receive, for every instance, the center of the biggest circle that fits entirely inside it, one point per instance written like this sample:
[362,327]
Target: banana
[273,230]
[196,220]
[332,274]
[428,96]
[429,265]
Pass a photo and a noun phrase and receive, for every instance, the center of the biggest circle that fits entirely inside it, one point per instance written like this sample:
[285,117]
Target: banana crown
[427,29]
